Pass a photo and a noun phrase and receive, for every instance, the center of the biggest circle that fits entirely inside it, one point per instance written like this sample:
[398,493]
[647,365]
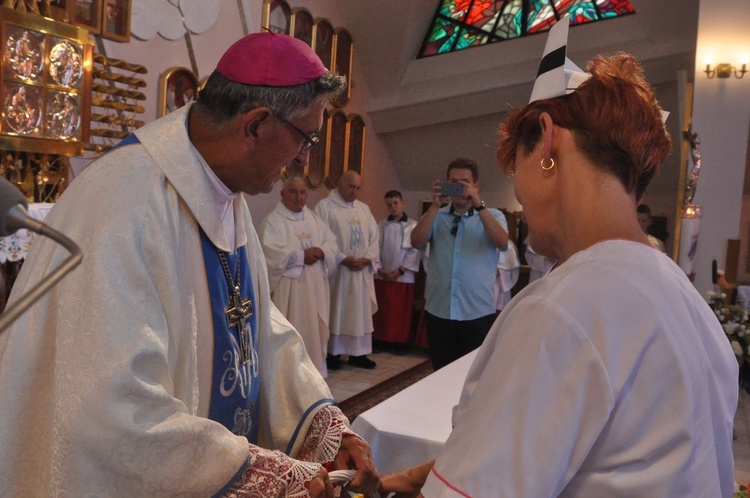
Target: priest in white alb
[353,299]
[300,253]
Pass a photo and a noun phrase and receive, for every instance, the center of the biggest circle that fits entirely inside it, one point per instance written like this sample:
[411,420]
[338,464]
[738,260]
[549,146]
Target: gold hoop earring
[551,164]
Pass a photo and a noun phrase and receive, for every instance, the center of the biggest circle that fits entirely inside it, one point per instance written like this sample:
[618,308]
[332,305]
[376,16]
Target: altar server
[160,366]
[394,282]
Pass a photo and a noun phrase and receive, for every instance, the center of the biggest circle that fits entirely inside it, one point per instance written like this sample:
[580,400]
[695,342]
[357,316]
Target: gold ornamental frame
[302,25]
[86,14]
[115,20]
[317,160]
[177,86]
[355,144]
[343,57]
[323,38]
[274,10]
[45,84]
[338,125]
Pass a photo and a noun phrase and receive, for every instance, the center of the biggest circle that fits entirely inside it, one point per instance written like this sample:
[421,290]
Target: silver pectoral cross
[237,311]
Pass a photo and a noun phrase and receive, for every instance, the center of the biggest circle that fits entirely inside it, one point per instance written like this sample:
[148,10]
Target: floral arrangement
[736,323]
[741,490]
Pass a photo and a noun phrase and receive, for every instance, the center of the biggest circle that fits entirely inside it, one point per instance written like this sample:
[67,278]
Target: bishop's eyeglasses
[309,140]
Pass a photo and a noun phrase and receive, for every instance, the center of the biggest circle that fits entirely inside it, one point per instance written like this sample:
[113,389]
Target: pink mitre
[270,59]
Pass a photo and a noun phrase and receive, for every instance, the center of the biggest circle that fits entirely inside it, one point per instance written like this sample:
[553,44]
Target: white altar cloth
[15,246]
[411,427]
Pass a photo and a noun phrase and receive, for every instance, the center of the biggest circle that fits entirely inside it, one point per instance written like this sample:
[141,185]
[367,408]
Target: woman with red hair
[610,376]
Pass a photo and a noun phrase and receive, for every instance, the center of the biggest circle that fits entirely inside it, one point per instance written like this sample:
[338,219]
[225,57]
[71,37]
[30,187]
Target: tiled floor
[349,381]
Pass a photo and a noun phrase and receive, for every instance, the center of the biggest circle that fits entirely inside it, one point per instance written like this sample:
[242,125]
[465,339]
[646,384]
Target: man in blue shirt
[465,238]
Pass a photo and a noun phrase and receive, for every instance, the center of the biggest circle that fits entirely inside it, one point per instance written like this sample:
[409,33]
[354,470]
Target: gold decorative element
[355,144]
[551,164]
[276,16]
[41,177]
[336,164]
[117,100]
[120,64]
[177,87]
[315,171]
[343,55]
[87,14]
[116,20]
[25,6]
[46,83]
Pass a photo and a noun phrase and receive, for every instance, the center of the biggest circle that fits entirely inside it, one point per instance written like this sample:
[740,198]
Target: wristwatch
[481,206]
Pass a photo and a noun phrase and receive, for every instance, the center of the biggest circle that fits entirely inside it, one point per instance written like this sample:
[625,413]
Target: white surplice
[353,299]
[300,291]
[105,381]
[396,250]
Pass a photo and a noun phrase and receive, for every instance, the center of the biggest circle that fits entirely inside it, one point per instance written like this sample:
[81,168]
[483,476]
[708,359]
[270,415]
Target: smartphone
[451,189]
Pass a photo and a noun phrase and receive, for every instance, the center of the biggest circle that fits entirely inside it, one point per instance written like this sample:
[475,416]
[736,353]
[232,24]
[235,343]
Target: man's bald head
[350,184]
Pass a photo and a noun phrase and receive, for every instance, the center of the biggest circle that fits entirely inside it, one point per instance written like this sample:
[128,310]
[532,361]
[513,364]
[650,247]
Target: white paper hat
[557,74]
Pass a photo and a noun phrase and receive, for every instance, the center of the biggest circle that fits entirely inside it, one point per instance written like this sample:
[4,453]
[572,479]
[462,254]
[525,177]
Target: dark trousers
[449,340]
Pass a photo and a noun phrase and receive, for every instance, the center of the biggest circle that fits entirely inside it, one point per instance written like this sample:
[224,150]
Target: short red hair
[614,117]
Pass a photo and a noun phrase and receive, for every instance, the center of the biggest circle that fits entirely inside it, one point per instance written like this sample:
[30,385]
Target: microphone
[14,216]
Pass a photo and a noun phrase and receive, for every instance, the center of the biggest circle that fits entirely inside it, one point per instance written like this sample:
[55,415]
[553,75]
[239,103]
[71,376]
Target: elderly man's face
[294,195]
[276,145]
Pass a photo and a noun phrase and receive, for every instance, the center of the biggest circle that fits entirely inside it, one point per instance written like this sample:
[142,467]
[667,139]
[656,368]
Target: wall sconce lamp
[725,70]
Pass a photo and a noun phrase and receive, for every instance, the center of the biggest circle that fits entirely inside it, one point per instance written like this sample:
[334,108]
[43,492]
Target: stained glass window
[460,24]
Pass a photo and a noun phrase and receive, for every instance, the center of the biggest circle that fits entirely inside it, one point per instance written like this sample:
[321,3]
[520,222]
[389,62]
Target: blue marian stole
[235,385]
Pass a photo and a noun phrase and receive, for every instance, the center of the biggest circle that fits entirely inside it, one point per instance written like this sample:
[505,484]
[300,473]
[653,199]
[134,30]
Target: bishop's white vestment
[106,382]
[301,292]
[353,299]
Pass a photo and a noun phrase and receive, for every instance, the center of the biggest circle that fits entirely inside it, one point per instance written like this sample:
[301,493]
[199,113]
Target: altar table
[410,427]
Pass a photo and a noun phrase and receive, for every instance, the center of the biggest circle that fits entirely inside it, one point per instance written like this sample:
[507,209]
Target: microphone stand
[68,264]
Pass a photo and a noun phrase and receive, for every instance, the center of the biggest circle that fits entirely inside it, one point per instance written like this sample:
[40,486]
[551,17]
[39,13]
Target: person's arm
[406,483]
[329,246]
[274,474]
[371,257]
[330,441]
[421,233]
[495,231]
[281,259]
[313,255]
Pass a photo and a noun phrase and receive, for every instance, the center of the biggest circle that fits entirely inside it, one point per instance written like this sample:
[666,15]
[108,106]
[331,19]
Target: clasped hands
[313,255]
[355,264]
[390,276]
[355,453]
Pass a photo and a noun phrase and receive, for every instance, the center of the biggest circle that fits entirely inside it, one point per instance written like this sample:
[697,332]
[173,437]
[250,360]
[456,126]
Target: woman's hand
[354,453]
[406,483]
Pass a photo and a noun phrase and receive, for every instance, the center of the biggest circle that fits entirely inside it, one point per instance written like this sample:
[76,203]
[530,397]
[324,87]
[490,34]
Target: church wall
[721,112]
[159,54]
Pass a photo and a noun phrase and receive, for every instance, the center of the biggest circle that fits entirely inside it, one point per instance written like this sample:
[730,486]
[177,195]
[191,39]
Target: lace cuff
[323,439]
[273,474]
